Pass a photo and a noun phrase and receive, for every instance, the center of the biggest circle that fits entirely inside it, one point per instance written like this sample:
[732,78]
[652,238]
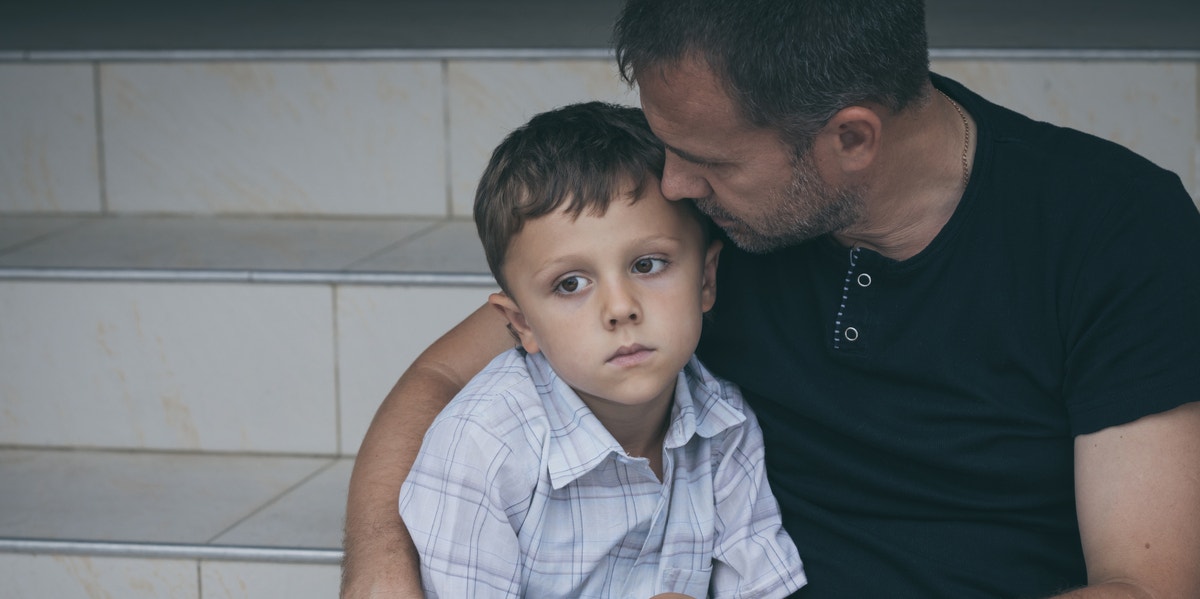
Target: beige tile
[239,580]
[1150,107]
[69,577]
[310,516]
[275,137]
[48,149]
[487,99]
[139,497]
[167,366]
[380,331]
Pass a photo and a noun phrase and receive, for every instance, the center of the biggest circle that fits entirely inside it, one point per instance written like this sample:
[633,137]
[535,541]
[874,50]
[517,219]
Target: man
[971,338]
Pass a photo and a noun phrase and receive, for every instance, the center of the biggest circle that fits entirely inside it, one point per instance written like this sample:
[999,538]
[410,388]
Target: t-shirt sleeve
[753,555]
[454,511]
[1132,306]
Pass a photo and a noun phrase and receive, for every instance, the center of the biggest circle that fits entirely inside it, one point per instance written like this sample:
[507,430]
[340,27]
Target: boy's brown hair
[579,157]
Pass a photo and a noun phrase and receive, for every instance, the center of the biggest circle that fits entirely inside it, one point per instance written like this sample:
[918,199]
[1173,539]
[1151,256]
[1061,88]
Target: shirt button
[864,280]
[850,334]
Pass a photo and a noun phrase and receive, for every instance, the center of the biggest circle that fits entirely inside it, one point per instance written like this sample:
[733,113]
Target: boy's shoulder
[713,407]
[503,393]
[701,381]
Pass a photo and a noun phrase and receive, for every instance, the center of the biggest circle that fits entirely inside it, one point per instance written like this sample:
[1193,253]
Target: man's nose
[682,180]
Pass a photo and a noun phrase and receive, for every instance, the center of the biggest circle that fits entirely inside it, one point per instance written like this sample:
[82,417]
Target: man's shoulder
[1043,172]
[1068,155]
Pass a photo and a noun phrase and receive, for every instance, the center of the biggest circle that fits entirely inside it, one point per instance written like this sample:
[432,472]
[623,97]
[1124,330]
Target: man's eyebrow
[689,156]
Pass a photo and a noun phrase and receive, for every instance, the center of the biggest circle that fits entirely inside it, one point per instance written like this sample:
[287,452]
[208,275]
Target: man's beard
[807,208]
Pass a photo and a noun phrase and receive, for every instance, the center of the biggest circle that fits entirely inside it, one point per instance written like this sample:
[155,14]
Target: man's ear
[708,290]
[516,320]
[851,139]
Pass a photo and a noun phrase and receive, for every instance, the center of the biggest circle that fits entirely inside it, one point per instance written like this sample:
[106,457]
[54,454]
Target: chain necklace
[966,164]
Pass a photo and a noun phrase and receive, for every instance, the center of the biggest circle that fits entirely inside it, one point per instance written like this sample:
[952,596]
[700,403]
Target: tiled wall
[404,137]
[298,138]
[209,367]
[49,155]
[344,138]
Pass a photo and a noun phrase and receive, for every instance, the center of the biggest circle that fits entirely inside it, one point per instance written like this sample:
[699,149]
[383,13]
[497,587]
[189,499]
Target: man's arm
[1137,490]
[380,560]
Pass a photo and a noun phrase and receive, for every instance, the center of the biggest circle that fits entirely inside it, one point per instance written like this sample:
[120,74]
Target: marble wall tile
[241,580]
[1150,107]
[487,99]
[167,366]
[48,148]
[275,137]
[380,331]
[70,577]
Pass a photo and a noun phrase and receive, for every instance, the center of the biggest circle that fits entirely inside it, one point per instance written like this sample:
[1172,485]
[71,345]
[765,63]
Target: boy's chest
[613,533]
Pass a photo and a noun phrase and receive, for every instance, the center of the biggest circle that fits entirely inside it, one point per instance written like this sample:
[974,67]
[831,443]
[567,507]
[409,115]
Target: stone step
[181,395]
[266,335]
[163,525]
[224,232]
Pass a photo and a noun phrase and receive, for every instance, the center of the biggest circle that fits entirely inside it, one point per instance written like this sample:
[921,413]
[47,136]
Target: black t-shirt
[919,415]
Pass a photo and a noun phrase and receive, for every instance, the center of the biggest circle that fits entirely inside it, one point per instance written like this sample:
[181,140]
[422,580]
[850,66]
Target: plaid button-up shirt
[520,491]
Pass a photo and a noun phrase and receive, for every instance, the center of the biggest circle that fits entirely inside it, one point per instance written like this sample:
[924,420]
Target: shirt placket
[646,570]
[851,331]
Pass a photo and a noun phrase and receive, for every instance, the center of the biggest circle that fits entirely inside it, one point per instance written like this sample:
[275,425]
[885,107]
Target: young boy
[600,459]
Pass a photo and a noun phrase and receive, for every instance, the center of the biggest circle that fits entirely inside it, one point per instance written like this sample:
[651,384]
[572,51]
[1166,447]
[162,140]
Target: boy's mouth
[629,355]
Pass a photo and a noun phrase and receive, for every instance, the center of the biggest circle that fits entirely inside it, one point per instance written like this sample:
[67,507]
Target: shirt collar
[579,443]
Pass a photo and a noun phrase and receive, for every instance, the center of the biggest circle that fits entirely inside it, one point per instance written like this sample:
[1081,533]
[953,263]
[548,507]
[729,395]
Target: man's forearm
[380,559]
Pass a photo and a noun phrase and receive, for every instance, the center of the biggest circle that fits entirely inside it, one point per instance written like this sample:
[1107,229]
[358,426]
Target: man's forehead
[683,79]
[697,125]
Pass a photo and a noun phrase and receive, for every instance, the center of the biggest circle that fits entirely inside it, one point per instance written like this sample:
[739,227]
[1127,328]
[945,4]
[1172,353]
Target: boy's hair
[579,157]
[788,65]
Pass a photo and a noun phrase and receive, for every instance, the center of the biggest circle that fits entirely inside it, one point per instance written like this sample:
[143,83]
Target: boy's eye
[647,266]
[570,285]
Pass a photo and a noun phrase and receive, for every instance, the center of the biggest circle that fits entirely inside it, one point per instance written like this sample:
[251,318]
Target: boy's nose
[621,307]
[681,180]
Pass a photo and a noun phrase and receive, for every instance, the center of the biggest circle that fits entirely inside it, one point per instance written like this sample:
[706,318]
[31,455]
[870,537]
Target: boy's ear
[708,291]
[516,320]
